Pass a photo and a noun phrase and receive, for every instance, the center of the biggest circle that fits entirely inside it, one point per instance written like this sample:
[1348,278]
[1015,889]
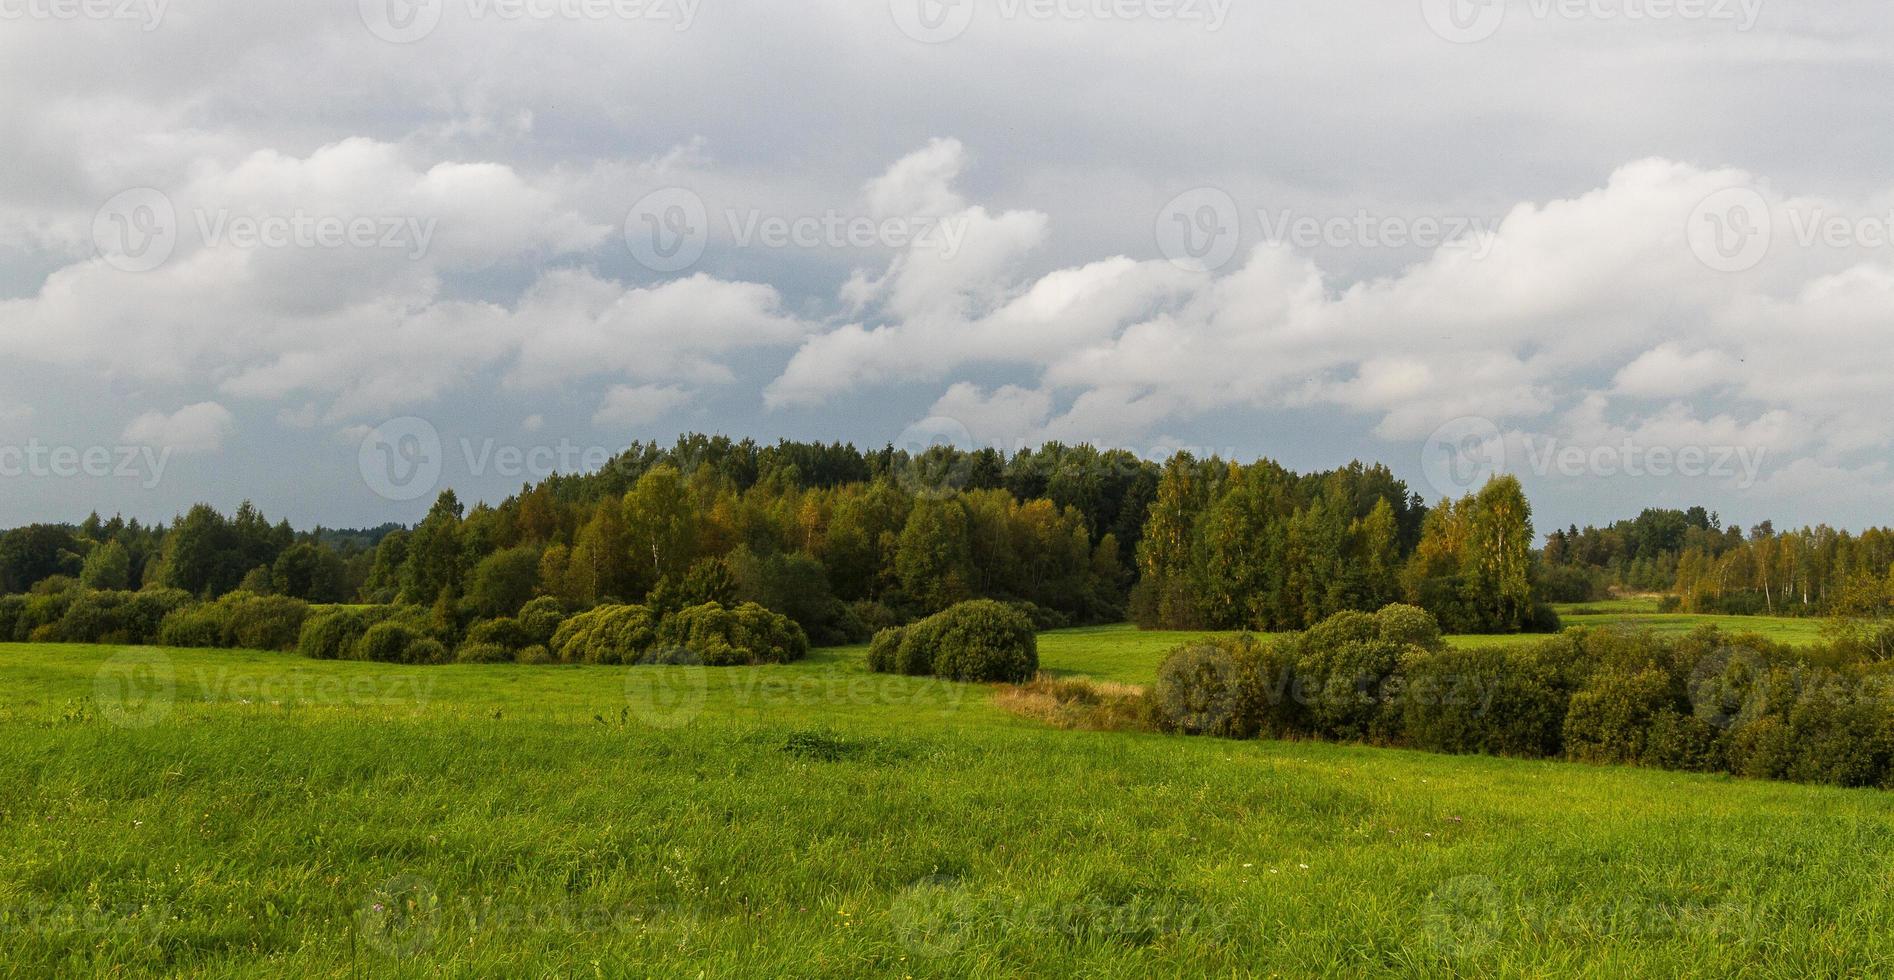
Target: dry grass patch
[1078,703]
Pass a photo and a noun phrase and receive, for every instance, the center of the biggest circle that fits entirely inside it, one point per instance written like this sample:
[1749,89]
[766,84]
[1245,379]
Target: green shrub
[483,653]
[240,619]
[1761,748]
[744,636]
[1611,717]
[982,640]
[36,615]
[194,626]
[1677,740]
[1212,688]
[119,617]
[331,634]
[507,633]
[387,642]
[1842,734]
[427,650]
[884,650]
[1487,699]
[541,618]
[263,622]
[614,634]
[1541,618]
[1346,667]
[1042,619]
[12,608]
[874,616]
[536,654]
[1407,626]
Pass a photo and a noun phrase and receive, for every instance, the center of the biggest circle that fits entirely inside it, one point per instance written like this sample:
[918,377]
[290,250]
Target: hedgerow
[1706,701]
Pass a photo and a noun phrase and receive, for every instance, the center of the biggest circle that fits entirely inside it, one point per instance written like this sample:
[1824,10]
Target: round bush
[1346,669]
[331,634]
[615,634]
[883,650]
[263,622]
[977,641]
[483,653]
[746,635]
[387,643]
[1408,626]
[507,633]
[427,650]
[96,617]
[541,617]
[536,655]
[1212,688]
[194,626]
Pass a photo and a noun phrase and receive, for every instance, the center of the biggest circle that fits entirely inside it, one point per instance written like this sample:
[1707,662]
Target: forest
[846,542]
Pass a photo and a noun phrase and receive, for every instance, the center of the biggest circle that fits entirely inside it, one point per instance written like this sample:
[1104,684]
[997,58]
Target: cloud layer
[200,249]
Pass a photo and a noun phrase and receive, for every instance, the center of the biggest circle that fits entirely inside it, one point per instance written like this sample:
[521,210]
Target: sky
[333,257]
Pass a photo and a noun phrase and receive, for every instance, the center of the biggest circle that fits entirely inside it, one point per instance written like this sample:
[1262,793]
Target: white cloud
[1666,371]
[1569,289]
[200,428]
[626,407]
[574,325]
[1008,416]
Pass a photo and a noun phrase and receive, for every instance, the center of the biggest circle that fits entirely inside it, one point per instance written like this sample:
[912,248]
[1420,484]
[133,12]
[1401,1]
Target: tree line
[1710,568]
[847,542]
[1259,547]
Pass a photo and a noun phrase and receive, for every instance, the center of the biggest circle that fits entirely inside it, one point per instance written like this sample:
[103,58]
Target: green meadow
[219,813]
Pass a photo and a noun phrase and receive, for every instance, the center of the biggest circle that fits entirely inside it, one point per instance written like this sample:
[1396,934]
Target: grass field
[220,813]
[1121,653]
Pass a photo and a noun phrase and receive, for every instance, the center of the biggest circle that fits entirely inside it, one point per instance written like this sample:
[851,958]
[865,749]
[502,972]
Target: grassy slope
[214,812]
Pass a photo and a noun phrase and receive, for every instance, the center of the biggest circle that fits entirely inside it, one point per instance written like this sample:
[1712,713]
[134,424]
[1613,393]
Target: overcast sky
[331,256]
